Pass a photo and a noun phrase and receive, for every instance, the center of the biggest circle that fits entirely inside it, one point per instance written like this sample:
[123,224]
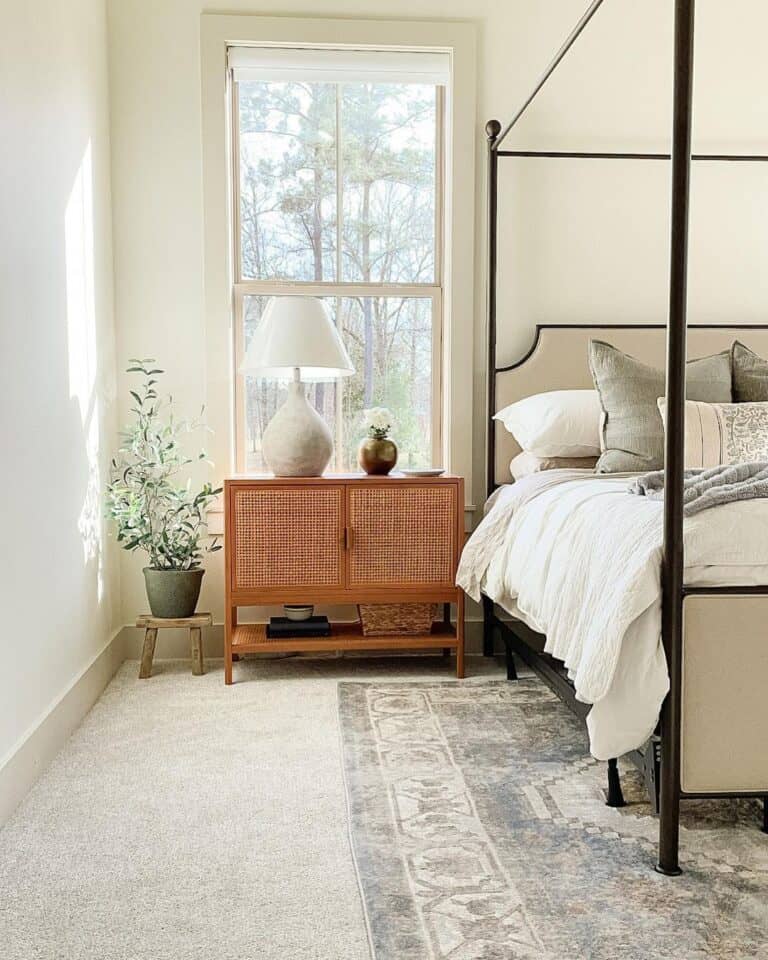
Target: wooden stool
[153,624]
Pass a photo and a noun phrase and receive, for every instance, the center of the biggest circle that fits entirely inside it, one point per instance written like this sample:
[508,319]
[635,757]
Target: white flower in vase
[378,422]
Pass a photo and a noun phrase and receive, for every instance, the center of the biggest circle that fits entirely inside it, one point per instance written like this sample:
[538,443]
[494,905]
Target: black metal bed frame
[661,759]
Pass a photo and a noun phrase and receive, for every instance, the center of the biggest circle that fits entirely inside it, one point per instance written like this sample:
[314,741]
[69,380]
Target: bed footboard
[724,694]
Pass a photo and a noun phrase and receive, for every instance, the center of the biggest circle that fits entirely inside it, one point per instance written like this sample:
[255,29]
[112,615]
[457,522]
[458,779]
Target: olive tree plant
[151,510]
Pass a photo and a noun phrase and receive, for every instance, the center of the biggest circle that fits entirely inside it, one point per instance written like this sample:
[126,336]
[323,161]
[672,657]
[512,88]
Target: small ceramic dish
[426,472]
[298,611]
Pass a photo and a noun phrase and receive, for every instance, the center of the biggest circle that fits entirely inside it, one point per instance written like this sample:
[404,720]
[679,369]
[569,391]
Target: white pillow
[526,463]
[561,423]
[724,433]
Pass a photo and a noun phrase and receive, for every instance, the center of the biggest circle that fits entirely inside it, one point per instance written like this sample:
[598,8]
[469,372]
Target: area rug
[480,832]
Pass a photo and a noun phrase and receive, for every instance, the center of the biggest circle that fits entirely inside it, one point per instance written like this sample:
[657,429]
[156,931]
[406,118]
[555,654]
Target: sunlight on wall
[83,364]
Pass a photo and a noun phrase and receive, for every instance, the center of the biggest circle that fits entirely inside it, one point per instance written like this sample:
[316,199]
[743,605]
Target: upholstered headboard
[558,361]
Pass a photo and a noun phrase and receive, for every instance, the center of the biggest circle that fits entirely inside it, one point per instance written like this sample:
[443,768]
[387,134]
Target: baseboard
[24,763]
[473,637]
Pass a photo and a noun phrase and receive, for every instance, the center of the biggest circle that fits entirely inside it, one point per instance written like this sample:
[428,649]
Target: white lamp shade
[297,332]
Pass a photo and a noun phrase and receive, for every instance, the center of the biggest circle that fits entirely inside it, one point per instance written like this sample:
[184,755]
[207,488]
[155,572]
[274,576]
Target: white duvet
[578,558]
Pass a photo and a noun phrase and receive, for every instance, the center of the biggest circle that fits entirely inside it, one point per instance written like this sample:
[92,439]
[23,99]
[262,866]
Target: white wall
[59,584]
[587,241]
[579,243]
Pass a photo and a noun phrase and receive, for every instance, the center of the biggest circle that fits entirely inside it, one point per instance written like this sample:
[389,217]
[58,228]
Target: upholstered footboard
[724,734]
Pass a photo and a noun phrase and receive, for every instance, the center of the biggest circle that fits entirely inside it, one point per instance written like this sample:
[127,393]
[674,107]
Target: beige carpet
[189,821]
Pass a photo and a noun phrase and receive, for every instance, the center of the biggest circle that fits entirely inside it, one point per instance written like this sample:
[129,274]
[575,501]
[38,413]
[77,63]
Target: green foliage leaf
[152,510]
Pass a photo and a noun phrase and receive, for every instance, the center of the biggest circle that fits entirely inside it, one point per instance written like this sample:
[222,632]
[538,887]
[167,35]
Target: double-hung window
[338,179]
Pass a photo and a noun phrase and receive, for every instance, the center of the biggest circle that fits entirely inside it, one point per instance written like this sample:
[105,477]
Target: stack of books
[312,627]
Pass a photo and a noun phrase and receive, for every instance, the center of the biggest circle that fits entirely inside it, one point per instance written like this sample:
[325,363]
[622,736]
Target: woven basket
[405,619]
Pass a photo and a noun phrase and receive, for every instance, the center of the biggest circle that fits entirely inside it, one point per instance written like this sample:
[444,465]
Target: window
[337,176]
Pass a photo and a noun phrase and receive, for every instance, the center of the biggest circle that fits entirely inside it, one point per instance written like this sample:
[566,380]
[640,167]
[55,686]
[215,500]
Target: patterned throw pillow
[726,433]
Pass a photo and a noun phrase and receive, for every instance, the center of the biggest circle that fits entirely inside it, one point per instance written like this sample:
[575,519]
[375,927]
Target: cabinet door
[402,534]
[287,537]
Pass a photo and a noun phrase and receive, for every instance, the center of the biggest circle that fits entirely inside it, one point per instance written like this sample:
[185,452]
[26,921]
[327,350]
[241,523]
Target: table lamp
[296,340]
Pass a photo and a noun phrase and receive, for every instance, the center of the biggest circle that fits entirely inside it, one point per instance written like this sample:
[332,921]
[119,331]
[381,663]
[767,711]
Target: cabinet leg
[447,622]
[148,653]
[230,620]
[460,636]
[235,656]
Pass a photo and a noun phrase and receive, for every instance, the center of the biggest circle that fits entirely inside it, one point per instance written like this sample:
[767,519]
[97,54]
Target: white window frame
[453,287]
[244,286]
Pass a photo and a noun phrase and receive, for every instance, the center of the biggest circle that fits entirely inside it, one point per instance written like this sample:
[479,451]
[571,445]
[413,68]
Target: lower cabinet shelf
[252,638]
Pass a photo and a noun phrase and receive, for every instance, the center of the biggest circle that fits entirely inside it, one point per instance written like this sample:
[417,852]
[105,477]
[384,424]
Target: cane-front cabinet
[342,539]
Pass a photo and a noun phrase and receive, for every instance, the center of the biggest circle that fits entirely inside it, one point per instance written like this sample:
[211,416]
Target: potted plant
[152,512]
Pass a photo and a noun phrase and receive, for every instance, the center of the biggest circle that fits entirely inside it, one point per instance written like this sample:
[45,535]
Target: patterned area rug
[480,832]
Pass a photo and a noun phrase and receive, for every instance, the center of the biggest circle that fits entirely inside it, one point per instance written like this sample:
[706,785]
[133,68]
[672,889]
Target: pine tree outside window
[337,183]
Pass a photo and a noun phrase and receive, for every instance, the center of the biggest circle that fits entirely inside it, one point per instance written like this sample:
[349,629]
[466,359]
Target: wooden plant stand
[153,624]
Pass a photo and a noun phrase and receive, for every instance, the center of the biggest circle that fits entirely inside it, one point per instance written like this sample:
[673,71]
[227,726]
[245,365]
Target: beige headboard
[558,361]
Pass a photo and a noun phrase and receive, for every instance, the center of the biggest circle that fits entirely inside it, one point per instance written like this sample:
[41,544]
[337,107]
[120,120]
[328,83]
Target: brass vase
[377,457]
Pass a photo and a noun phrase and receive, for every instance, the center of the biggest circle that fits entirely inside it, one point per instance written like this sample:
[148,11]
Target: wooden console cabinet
[342,539]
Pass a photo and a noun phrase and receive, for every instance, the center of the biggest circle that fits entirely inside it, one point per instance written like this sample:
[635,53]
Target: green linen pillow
[632,429]
[750,375]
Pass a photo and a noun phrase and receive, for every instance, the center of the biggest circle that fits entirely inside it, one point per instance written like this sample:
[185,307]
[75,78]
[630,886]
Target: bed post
[674,459]
[492,129]
[614,797]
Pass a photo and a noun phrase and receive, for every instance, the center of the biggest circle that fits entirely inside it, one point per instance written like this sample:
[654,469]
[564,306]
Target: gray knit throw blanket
[703,489]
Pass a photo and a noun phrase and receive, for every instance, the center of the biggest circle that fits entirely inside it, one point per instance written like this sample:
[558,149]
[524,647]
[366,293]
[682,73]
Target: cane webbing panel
[402,534]
[287,537]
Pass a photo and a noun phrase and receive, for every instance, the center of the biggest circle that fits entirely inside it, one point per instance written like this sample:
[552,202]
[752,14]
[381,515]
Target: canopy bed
[694,751]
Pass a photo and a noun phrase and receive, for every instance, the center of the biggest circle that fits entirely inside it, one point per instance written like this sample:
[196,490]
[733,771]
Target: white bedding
[578,559]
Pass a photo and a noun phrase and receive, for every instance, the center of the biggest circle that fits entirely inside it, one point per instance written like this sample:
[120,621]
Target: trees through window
[338,195]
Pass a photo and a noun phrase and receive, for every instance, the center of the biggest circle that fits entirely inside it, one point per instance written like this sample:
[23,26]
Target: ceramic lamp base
[297,441]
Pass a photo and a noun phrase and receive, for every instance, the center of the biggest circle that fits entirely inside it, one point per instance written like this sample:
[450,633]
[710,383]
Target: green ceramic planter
[173,593]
